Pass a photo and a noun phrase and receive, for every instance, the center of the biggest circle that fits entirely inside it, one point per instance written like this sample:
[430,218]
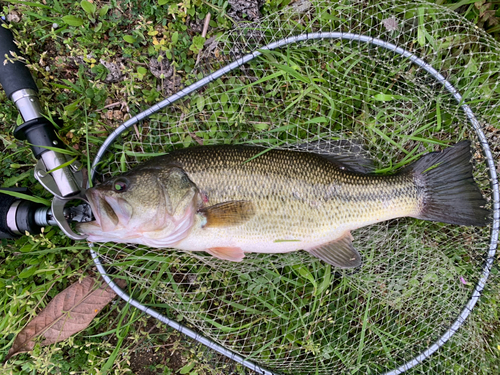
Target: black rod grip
[14,75]
[22,217]
[5,203]
[40,133]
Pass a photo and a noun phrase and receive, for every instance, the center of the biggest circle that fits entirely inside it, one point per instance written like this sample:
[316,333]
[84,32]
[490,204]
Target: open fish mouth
[105,216]
[95,225]
[93,197]
[106,219]
[106,207]
[110,212]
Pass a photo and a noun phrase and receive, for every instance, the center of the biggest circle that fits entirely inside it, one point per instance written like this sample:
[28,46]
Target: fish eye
[120,185]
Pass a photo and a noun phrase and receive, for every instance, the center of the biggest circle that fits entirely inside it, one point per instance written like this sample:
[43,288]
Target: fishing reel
[18,216]
[54,170]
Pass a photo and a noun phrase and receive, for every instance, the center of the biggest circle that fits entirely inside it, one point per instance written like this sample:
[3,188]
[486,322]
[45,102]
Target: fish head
[152,206]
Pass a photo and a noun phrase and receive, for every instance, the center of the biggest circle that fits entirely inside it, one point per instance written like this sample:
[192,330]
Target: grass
[283,313]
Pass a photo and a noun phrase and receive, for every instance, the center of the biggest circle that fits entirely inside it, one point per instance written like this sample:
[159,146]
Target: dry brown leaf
[69,312]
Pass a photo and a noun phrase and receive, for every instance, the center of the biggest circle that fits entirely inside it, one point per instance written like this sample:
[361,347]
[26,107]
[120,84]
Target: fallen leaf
[69,312]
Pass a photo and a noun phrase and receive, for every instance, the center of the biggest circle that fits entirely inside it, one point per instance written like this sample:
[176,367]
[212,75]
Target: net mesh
[291,313]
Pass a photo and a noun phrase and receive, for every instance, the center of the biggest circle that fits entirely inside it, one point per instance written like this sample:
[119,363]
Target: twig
[205,25]
[139,136]
[144,338]
[193,135]
[115,104]
[203,34]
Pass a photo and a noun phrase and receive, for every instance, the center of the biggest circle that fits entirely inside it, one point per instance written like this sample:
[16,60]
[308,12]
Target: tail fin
[450,194]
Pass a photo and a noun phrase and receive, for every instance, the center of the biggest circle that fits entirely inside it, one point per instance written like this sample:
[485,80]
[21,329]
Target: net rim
[281,43]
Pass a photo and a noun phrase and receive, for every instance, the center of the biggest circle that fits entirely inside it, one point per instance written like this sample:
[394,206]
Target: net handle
[243,60]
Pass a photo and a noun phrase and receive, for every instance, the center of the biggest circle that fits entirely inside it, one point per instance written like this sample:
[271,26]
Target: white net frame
[420,280]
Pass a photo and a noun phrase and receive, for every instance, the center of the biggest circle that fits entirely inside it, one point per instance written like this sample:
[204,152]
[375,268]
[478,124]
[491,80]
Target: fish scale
[231,200]
[297,195]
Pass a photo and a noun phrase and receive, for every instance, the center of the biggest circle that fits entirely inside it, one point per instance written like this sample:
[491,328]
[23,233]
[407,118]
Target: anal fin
[234,254]
[339,253]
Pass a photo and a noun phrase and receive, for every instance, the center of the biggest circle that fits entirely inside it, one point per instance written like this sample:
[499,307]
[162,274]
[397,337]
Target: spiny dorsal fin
[347,153]
[228,214]
[338,253]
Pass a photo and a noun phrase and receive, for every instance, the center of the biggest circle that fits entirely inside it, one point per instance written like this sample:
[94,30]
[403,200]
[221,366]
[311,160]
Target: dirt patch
[152,360]
[151,357]
[245,9]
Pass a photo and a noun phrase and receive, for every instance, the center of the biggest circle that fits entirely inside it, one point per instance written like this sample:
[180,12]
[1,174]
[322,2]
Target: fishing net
[291,313]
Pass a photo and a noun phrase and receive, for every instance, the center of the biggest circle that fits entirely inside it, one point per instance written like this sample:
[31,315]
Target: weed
[72,49]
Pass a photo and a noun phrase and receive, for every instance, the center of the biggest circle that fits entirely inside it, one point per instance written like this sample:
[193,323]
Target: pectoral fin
[228,214]
[338,253]
[234,254]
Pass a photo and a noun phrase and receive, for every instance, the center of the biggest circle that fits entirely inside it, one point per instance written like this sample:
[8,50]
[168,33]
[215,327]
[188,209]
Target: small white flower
[391,24]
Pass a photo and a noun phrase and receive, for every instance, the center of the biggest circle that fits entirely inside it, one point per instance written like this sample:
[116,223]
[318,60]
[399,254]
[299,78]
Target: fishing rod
[53,169]
[63,179]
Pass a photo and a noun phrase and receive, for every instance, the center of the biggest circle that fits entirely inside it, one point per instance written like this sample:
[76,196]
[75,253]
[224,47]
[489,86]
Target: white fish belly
[302,232]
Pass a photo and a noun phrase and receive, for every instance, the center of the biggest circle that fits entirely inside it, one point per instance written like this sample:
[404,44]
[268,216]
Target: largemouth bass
[230,200]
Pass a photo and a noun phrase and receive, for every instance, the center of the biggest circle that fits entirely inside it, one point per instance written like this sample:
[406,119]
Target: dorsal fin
[350,154]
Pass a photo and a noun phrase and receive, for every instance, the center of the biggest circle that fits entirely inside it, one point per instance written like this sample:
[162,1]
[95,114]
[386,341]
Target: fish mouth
[110,212]
[105,217]
[93,226]
[93,197]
